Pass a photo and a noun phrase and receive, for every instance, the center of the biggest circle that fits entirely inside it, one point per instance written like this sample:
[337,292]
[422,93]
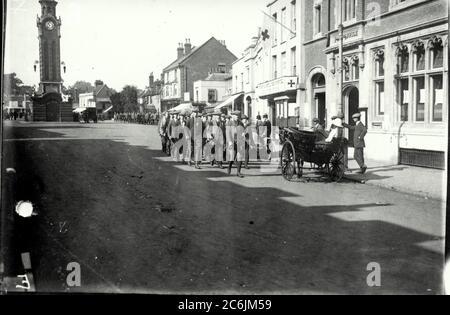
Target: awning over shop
[184,106]
[107,110]
[229,101]
[79,110]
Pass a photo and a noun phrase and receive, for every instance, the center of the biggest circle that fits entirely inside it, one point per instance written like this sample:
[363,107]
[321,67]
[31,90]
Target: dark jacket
[359,134]
[268,126]
[321,134]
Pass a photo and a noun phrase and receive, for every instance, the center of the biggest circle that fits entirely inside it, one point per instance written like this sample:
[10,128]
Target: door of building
[321,107]
[352,100]
[52,110]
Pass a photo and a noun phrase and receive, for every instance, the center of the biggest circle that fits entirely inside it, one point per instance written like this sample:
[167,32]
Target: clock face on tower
[50,25]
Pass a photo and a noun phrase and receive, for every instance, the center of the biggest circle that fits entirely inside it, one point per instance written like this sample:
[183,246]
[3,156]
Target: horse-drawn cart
[300,147]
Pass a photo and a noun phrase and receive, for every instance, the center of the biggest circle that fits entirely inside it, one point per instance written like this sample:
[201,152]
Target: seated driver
[318,129]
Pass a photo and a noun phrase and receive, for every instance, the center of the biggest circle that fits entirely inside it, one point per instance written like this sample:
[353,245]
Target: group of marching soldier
[216,138]
[137,118]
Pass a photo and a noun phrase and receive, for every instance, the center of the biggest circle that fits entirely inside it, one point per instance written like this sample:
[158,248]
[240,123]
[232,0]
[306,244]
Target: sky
[122,41]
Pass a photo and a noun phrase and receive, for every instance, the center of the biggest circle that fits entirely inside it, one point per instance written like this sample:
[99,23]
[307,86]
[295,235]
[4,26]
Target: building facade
[213,89]
[192,64]
[395,73]
[277,62]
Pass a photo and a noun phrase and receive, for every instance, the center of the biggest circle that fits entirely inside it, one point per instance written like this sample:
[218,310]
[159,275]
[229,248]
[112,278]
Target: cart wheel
[287,161]
[336,167]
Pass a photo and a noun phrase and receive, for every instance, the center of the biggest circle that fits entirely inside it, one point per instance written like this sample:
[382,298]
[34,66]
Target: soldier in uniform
[246,124]
[234,145]
[358,141]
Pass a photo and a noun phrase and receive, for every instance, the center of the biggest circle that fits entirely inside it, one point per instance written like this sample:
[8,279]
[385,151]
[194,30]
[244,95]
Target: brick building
[192,64]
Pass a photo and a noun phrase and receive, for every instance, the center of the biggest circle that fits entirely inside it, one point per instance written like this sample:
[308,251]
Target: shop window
[379,90]
[404,99]
[419,98]
[212,96]
[437,97]
[379,64]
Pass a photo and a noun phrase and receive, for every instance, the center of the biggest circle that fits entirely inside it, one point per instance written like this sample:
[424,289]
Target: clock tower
[49,48]
[47,103]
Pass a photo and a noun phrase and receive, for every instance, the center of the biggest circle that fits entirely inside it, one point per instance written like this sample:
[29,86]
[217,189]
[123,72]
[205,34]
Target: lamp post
[341,65]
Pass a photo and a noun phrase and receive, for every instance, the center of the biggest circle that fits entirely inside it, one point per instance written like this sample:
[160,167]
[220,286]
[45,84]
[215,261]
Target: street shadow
[137,223]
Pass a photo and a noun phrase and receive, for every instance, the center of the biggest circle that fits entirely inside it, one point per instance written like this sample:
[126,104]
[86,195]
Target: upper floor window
[348,10]
[212,96]
[275,29]
[294,61]
[283,25]
[317,18]
[274,67]
[351,68]
[293,16]
[283,64]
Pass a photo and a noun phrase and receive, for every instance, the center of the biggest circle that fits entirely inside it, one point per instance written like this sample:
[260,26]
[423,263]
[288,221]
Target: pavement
[138,222]
[424,182]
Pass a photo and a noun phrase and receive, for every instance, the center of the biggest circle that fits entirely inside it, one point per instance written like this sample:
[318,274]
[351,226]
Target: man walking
[268,125]
[360,132]
[235,143]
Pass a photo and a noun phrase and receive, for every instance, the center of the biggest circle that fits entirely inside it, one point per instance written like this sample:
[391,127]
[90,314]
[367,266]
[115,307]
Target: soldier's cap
[316,120]
[236,113]
[340,115]
[357,115]
[334,117]
[244,117]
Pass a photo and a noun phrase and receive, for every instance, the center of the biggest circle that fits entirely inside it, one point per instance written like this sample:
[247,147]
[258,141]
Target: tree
[13,85]
[129,98]
[116,101]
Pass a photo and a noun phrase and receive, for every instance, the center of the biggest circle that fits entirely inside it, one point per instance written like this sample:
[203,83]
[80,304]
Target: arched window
[436,52]
[403,59]
[418,48]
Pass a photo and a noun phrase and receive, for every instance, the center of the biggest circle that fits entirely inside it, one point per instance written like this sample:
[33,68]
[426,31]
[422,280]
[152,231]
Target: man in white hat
[337,130]
[358,140]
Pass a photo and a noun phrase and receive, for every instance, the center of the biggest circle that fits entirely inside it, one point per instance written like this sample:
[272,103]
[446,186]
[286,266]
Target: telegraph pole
[341,64]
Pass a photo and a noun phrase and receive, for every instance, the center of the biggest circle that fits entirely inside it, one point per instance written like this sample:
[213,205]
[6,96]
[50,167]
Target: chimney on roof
[223,42]
[187,46]
[151,80]
[180,50]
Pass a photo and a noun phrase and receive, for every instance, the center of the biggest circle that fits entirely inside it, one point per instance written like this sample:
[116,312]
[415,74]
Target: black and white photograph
[224,148]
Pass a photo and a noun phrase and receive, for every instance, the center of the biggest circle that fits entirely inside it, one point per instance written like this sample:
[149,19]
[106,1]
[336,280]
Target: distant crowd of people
[15,115]
[137,118]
